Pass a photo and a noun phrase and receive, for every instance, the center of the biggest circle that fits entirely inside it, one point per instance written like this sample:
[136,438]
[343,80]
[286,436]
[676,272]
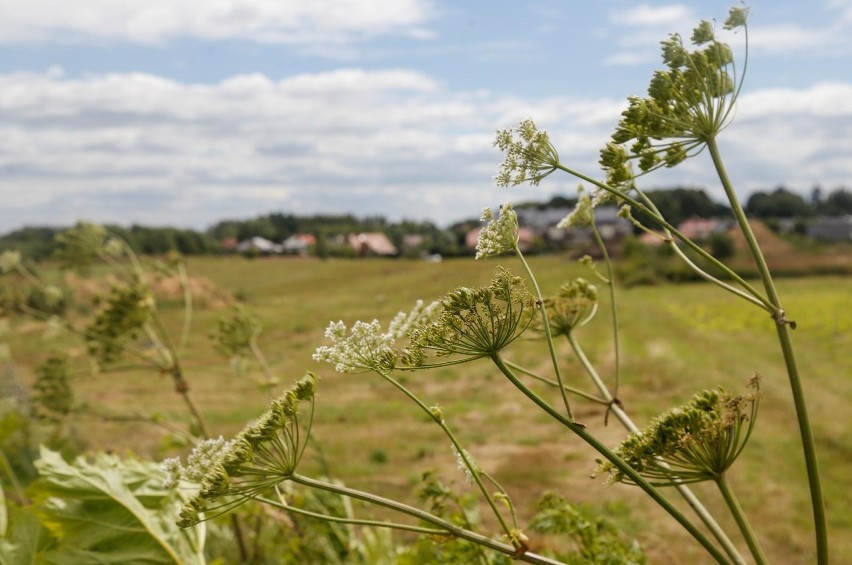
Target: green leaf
[110,510]
[26,538]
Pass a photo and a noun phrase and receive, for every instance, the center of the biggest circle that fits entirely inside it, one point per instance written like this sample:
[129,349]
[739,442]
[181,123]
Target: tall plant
[689,103]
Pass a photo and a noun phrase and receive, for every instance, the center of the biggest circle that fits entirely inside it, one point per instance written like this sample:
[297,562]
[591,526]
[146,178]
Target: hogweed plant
[689,103]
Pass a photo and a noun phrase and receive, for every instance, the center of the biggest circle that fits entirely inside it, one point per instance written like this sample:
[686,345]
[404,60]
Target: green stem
[553,383]
[471,468]
[448,527]
[548,337]
[187,306]
[702,273]
[687,494]
[783,328]
[261,360]
[623,466]
[162,337]
[613,303]
[742,522]
[351,521]
[665,224]
[13,478]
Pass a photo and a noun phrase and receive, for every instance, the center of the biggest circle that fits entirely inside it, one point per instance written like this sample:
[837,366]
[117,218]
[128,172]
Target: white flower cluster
[581,215]
[403,322]
[203,457]
[528,158]
[9,261]
[499,235]
[367,346]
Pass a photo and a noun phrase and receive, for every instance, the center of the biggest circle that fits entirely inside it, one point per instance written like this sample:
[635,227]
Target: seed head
[698,441]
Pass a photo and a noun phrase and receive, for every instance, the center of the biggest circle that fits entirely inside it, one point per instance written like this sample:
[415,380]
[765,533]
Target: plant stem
[684,490]
[187,305]
[450,528]
[665,224]
[351,521]
[613,304]
[622,465]
[548,337]
[471,467]
[783,328]
[553,383]
[742,522]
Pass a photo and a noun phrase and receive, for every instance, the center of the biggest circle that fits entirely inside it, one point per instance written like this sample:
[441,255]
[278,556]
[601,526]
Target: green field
[677,340]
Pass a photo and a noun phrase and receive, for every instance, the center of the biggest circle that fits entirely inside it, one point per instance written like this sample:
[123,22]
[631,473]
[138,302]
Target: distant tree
[838,203]
[781,203]
[679,204]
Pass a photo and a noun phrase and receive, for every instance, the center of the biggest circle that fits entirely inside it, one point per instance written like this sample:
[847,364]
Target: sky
[184,113]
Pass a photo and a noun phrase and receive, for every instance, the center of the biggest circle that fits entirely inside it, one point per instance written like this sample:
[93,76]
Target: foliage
[596,540]
[104,510]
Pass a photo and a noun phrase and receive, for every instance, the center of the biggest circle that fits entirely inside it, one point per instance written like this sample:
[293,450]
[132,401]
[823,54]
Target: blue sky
[175,112]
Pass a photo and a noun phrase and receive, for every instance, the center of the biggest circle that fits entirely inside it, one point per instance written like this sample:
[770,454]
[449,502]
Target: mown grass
[677,340]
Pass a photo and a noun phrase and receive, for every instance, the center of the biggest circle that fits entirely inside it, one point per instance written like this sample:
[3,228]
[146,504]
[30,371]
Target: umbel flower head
[81,246]
[698,441]
[574,306]
[475,323]
[499,235]
[128,309]
[52,392]
[367,347]
[529,157]
[236,332]
[261,456]
[688,104]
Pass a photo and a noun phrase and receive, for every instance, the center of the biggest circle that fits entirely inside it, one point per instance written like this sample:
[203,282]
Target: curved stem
[548,337]
[449,527]
[613,304]
[351,521]
[553,383]
[665,224]
[471,467]
[783,328]
[687,494]
[742,522]
[619,463]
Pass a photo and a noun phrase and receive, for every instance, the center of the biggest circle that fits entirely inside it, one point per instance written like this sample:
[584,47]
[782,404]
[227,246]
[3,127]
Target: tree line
[676,204]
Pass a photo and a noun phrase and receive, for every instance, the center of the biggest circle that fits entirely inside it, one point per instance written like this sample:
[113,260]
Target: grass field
[677,340]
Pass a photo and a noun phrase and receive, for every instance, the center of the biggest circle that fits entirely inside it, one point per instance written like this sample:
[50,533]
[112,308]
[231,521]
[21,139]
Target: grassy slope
[677,341]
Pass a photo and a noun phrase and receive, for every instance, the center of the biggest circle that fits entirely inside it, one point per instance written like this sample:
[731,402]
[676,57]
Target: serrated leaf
[109,510]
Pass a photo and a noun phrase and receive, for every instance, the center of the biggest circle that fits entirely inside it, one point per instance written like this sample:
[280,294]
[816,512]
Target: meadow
[678,339]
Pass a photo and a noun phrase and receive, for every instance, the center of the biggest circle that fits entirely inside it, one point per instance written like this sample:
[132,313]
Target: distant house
[299,243]
[829,228]
[539,220]
[229,243]
[699,229]
[371,244]
[412,240]
[612,227]
[259,245]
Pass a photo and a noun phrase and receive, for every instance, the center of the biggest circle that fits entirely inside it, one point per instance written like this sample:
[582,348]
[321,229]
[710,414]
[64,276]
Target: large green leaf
[110,510]
[24,540]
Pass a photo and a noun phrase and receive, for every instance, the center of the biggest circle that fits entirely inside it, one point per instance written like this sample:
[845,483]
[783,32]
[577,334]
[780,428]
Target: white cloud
[325,22]
[140,148]
[646,15]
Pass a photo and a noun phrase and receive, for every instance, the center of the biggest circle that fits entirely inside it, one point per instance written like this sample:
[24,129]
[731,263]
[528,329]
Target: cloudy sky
[178,112]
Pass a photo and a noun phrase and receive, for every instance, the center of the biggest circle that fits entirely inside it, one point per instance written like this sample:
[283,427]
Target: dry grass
[678,339]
